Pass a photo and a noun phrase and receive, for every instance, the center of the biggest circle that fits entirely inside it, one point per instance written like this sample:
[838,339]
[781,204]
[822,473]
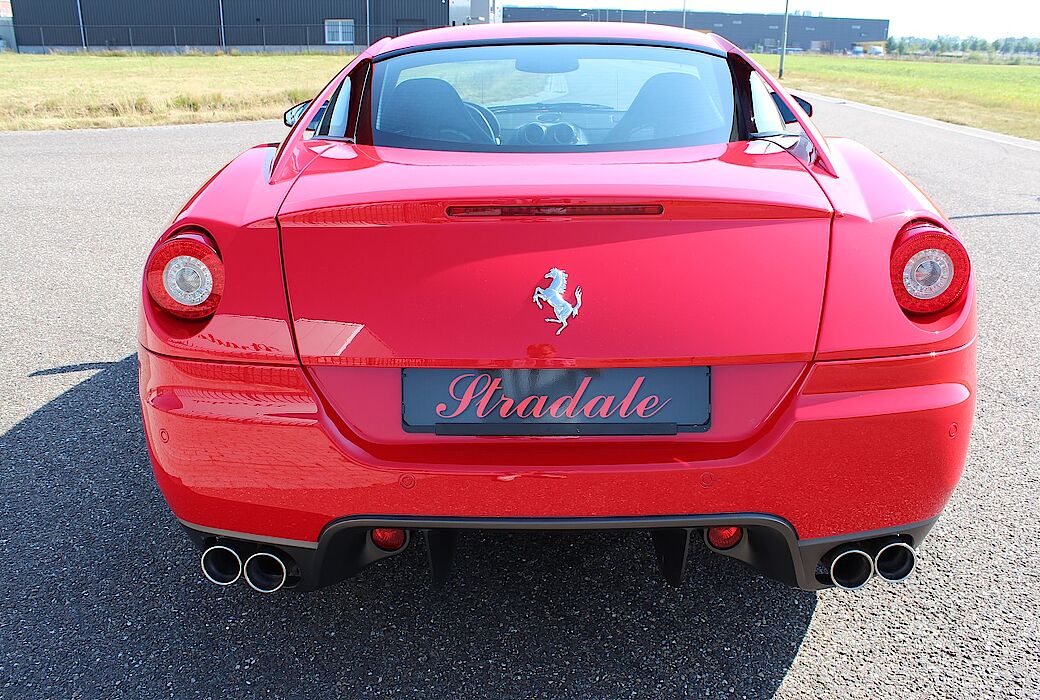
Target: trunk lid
[730,276]
[378,274]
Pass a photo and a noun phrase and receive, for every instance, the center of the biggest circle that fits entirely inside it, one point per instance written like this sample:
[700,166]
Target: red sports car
[557,276]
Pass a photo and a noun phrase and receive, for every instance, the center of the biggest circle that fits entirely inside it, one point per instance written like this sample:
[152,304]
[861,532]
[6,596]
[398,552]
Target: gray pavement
[102,596]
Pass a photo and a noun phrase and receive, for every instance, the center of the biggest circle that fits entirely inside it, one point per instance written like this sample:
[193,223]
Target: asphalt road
[101,594]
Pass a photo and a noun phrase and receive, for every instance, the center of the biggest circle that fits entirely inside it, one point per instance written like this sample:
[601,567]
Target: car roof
[527,31]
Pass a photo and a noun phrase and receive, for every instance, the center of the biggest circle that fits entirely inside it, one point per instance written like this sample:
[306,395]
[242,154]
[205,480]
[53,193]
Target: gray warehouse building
[748,31]
[41,25]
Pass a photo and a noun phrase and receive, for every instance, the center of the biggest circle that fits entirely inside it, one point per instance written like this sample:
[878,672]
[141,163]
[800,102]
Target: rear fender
[237,209]
[873,201]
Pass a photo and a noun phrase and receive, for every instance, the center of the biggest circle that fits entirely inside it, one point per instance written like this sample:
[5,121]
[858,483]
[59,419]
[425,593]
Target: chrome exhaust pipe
[266,572]
[221,565]
[895,562]
[851,569]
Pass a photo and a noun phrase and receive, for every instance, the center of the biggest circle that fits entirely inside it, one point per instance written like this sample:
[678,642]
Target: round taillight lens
[930,270]
[185,276]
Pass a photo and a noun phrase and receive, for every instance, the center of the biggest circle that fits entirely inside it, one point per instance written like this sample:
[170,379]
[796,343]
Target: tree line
[944,44]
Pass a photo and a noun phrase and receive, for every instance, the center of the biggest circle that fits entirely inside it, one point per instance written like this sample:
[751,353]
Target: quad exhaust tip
[895,562]
[265,572]
[851,569]
[221,565]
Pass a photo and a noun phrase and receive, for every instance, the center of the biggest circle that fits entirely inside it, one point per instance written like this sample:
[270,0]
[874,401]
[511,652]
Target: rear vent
[558,210]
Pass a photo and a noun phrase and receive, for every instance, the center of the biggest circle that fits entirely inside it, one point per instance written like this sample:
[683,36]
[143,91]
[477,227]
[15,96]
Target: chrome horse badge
[553,296]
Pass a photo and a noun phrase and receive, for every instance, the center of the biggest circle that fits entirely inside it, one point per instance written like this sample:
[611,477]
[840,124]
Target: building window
[737,21]
[339,31]
[810,29]
[718,24]
[855,26]
[774,26]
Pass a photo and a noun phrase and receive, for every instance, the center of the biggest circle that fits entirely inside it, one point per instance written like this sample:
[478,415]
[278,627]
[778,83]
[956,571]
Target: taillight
[930,269]
[558,210]
[185,276]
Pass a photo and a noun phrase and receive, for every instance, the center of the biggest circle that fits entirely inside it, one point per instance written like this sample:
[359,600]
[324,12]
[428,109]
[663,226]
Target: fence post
[175,35]
[43,42]
[307,35]
[130,36]
[263,34]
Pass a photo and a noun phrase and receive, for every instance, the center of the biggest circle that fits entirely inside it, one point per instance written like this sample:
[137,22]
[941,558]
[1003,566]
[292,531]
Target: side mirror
[785,111]
[293,114]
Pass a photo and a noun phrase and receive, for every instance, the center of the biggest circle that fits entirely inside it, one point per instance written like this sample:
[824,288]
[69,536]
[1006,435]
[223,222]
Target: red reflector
[389,539]
[561,210]
[725,537]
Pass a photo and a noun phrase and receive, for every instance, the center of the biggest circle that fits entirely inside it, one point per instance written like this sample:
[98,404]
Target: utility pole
[368,22]
[223,39]
[82,29]
[783,41]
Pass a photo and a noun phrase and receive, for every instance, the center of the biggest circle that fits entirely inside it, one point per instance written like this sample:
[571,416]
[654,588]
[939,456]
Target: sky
[994,19]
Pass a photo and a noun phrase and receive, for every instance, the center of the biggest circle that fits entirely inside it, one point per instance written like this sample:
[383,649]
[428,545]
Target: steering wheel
[486,119]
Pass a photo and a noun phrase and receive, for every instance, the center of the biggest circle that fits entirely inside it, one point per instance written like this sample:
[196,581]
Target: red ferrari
[557,276]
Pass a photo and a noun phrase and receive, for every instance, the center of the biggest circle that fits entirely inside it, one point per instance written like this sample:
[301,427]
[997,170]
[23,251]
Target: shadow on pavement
[103,598]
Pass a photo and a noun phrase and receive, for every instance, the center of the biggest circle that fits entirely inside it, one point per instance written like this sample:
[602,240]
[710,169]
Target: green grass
[1002,98]
[78,90]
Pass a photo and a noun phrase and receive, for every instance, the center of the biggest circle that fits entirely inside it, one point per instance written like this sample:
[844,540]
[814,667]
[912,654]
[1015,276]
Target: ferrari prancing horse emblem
[553,296]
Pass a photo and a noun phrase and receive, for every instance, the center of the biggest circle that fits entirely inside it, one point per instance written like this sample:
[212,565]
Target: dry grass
[88,91]
[1004,98]
[78,90]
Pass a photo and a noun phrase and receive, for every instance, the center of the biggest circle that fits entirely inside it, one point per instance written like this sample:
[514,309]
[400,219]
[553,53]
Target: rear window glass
[552,98]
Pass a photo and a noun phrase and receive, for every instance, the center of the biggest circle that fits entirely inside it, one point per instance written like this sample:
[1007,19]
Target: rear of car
[529,278]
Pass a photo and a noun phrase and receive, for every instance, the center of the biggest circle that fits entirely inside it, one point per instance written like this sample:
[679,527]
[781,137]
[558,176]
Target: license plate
[612,401]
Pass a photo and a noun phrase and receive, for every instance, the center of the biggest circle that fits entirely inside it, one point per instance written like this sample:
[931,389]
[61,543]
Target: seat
[430,109]
[668,105]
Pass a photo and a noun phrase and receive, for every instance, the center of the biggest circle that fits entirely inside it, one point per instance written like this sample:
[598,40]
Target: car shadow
[104,598]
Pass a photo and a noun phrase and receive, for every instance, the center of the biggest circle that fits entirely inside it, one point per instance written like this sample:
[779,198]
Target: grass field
[1000,98]
[72,91]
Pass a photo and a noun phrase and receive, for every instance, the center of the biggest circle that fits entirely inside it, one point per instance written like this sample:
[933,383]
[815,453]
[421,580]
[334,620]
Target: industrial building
[6,27]
[347,25]
[42,25]
[761,32]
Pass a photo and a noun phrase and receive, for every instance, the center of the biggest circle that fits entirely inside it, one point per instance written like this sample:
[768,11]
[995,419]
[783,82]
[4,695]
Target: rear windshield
[552,98]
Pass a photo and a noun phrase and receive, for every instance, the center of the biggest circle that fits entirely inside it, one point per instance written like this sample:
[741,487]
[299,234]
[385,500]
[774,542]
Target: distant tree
[942,44]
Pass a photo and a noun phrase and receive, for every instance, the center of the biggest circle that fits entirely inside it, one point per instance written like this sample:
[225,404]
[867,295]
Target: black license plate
[612,401]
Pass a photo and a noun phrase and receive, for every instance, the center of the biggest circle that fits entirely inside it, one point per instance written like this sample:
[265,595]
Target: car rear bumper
[768,544]
[858,446]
